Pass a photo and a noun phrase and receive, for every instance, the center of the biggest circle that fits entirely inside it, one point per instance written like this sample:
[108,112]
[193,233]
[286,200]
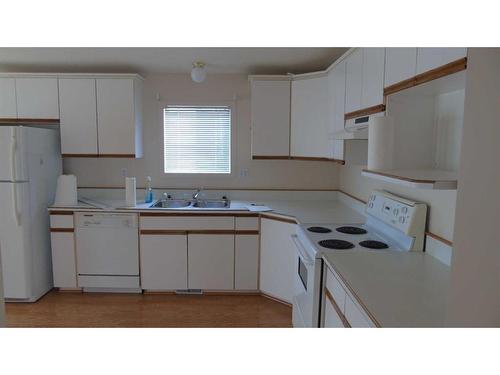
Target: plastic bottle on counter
[149,191]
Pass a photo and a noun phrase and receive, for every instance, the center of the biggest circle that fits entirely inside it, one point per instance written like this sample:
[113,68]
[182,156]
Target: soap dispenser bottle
[149,191]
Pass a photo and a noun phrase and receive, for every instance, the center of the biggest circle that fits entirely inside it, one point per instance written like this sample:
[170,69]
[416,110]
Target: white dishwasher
[107,250]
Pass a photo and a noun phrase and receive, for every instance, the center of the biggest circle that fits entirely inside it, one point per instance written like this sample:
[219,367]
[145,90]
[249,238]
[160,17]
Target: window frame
[202,103]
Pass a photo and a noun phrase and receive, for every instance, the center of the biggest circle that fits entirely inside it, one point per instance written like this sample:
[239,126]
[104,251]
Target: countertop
[398,289]
[303,211]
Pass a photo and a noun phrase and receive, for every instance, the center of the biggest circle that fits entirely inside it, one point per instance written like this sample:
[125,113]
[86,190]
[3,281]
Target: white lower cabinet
[211,261]
[63,259]
[277,259]
[246,262]
[331,317]
[163,262]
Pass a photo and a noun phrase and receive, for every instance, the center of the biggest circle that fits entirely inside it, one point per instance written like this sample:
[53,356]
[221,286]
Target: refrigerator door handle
[15,205]
[13,147]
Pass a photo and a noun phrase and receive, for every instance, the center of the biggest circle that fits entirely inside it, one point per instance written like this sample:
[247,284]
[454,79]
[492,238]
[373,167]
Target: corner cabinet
[309,117]
[101,116]
[270,116]
[277,258]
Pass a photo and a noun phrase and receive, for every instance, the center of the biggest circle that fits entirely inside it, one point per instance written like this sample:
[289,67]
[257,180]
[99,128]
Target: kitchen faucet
[198,192]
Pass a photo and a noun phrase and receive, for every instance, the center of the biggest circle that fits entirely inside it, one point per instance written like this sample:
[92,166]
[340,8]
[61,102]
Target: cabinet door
[270,111]
[77,101]
[336,105]
[8,107]
[431,58]
[372,92]
[309,122]
[163,262]
[354,80]
[277,259]
[63,259]
[331,317]
[211,261]
[115,116]
[246,262]
[37,98]
[400,64]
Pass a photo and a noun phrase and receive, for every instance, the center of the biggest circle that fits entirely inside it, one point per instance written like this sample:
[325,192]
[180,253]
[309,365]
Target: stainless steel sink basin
[172,203]
[212,204]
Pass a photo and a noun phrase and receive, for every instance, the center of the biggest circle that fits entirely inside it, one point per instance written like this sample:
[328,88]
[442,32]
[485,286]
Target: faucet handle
[167,196]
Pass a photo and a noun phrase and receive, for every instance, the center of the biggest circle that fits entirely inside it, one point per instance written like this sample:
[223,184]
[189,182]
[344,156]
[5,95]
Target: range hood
[356,128]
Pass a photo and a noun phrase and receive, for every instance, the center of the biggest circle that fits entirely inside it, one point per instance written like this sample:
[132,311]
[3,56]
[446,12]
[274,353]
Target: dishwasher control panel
[110,220]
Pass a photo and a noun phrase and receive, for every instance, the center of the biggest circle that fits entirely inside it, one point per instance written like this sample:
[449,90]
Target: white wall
[475,284]
[217,89]
[2,304]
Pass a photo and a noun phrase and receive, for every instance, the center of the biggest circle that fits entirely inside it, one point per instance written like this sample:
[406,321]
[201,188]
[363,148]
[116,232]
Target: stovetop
[320,238]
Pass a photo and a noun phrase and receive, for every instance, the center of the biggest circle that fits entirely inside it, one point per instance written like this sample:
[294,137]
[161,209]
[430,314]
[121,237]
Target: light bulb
[198,74]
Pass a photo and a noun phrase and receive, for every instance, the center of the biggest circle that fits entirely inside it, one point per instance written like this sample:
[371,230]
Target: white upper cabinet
[77,101]
[336,107]
[372,91]
[400,65]
[431,58]
[309,121]
[354,81]
[270,116]
[37,98]
[119,117]
[364,78]
[8,108]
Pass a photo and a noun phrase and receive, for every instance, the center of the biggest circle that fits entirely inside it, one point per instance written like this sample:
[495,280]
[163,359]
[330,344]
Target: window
[197,139]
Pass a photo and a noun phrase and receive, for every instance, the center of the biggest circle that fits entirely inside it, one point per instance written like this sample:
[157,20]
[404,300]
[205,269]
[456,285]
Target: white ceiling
[167,60]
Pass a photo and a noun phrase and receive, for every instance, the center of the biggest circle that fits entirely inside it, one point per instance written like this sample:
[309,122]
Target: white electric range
[392,224]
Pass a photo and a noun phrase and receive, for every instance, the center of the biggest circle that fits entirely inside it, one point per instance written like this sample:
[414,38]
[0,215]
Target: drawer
[336,289]
[61,221]
[355,315]
[247,223]
[187,222]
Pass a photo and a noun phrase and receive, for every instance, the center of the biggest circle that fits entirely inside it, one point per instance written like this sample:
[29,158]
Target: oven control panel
[402,214]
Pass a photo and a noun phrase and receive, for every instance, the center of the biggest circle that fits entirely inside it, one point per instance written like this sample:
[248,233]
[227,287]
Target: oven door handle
[302,252]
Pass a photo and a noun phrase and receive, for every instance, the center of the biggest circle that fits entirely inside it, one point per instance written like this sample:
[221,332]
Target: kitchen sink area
[193,204]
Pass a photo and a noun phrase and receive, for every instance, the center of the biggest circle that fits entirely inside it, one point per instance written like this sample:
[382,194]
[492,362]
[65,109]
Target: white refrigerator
[30,162]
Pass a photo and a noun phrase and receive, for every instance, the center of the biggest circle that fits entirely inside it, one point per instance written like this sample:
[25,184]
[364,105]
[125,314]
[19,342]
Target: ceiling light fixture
[199,73]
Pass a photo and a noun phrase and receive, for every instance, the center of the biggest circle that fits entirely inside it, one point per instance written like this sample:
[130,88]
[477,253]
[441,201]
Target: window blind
[197,139]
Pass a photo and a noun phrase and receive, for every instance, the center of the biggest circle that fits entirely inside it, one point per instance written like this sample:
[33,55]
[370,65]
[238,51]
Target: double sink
[194,204]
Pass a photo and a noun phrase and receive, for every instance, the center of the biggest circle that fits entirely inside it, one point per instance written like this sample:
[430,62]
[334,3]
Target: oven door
[306,287]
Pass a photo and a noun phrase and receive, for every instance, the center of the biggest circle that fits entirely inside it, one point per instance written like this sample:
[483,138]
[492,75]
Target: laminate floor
[62,309]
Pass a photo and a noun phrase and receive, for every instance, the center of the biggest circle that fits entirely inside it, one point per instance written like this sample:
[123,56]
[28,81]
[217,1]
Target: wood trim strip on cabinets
[365,111]
[63,230]
[37,121]
[277,218]
[336,308]
[246,232]
[69,213]
[188,214]
[304,158]
[210,188]
[440,239]
[310,158]
[270,157]
[80,155]
[98,155]
[162,232]
[439,72]
[418,181]
[196,231]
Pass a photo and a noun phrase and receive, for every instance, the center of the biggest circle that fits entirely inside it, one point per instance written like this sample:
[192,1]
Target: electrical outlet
[124,172]
[244,172]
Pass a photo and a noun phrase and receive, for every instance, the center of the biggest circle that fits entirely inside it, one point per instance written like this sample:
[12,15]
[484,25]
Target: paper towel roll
[381,143]
[130,191]
[66,194]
